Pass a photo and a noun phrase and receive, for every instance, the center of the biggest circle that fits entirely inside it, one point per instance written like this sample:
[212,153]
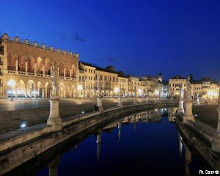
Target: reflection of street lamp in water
[12,84]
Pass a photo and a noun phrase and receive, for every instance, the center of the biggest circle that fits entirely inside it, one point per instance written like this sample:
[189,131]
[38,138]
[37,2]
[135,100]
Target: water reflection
[143,143]
[99,140]
[53,166]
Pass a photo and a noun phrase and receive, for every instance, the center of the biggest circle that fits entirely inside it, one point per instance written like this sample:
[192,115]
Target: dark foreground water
[140,144]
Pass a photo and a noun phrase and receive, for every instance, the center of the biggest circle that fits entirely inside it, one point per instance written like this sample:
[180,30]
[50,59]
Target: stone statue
[188,89]
[181,91]
[54,79]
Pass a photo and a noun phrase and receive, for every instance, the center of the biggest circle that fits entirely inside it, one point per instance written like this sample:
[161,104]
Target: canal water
[145,143]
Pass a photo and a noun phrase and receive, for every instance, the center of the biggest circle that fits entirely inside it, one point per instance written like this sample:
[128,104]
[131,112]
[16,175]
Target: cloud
[110,59]
[77,37]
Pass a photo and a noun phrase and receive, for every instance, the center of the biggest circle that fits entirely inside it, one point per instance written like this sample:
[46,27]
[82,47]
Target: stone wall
[16,149]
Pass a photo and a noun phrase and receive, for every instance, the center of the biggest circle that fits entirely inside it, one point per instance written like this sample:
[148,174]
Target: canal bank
[199,137]
[21,146]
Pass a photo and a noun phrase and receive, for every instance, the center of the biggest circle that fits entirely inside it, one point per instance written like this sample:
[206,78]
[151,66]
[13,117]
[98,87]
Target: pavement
[22,113]
[207,114]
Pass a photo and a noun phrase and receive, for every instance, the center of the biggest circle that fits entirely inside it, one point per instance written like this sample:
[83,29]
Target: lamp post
[11,83]
[140,93]
[79,89]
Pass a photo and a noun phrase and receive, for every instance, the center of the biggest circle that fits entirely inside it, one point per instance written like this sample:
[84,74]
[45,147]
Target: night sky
[144,37]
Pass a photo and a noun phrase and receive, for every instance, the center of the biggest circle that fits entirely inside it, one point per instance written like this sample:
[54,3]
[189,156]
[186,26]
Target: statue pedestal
[188,116]
[120,103]
[54,118]
[180,107]
[99,103]
[198,101]
[216,137]
[147,99]
[135,101]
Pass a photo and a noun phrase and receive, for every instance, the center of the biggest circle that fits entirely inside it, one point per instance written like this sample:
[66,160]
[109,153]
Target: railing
[21,73]
[43,46]
[38,75]
[30,73]
[11,71]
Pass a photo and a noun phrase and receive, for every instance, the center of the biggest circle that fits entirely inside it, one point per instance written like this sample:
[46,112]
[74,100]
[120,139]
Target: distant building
[175,85]
[206,88]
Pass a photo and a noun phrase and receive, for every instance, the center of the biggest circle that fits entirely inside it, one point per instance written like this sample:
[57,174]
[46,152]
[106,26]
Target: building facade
[26,69]
[205,88]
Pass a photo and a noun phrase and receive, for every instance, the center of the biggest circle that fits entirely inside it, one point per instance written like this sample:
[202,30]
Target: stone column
[34,92]
[216,137]
[99,103]
[198,100]
[16,66]
[54,118]
[42,92]
[120,103]
[99,140]
[53,166]
[25,93]
[99,98]
[43,70]
[26,67]
[51,69]
[64,73]
[71,73]
[180,107]
[188,116]
[35,69]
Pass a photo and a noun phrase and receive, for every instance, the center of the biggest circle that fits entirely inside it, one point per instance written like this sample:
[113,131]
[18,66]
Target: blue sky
[143,37]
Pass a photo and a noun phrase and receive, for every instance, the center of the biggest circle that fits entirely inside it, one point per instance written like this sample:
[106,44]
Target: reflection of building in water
[172,114]
[187,160]
[99,144]
[53,166]
[180,144]
[135,122]
[145,117]
[119,130]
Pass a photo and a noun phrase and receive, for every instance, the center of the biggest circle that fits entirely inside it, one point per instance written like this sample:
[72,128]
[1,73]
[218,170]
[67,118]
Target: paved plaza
[34,111]
[14,114]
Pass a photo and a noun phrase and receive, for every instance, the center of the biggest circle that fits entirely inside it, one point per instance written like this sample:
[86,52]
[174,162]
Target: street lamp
[11,83]
[139,92]
[116,90]
[79,89]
